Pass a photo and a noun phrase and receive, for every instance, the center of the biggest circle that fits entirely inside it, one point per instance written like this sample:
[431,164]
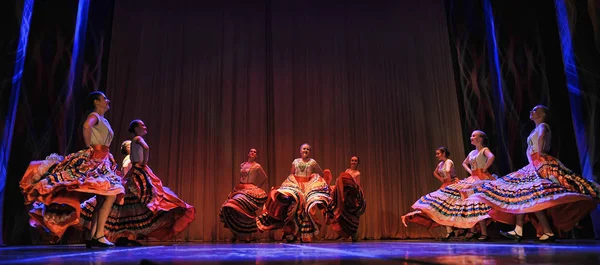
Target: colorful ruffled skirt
[292,205]
[544,184]
[150,209]
[348,204]
[238,213]
[419,217]
[55,187]
[452,205]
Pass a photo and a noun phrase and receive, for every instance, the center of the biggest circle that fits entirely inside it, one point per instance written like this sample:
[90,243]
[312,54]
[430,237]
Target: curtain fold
[212,80]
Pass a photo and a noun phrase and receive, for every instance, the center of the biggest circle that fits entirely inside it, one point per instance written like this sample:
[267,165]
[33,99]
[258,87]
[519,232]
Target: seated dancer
[294,204]
[126,150]
[451,206]
[348,202]
[55,186]
[445,172]
[545,184]
[150,210]
[238,213]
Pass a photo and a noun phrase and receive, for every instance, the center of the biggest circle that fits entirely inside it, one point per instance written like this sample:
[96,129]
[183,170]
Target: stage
[327,252]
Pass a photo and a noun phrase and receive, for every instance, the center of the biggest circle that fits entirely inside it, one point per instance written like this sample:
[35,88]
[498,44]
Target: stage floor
[332,252]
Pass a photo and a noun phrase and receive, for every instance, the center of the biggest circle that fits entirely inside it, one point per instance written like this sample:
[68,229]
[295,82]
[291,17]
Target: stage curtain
[212,80]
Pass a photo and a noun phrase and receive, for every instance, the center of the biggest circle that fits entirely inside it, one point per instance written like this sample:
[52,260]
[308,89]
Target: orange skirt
[149,210]
[348,204]
[55,187]
[238,213]
[289,206]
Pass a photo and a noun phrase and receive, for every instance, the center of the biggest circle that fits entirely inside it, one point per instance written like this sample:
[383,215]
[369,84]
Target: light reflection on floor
[335,252]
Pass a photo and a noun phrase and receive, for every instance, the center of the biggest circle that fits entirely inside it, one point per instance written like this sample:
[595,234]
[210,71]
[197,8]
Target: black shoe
[549,239]
[88,244]
[512,235]
[448,236]
[354,237]
[95,242]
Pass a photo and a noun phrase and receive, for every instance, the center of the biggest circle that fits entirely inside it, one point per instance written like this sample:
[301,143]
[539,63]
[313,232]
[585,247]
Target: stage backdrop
[212,80]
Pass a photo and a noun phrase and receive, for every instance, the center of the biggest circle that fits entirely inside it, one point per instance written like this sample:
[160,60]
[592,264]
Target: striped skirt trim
[238,213]
[149,209]
[348,204]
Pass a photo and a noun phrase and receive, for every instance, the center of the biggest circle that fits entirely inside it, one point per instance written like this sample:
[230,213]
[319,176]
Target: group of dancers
[543,188]
[294,206]
[86,190]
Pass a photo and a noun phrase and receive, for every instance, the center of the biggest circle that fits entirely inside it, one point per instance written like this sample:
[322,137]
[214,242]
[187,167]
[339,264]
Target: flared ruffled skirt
[55,187]
[238,213]
[150,209]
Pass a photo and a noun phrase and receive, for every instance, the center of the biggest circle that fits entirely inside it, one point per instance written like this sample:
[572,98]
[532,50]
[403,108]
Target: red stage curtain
[212,80]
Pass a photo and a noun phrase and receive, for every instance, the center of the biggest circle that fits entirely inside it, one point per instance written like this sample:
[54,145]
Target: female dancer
[126,150]
[56,186]
[150,209]
[348,202]
[450,207]
[238,213]
[445,172]
[293,205]
[544,184]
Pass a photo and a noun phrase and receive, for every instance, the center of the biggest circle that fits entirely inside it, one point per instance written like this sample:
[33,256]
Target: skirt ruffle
[238,213]
[55,187]
[544,184]
[348,204]
[450,206]
[292,205]
[419,217]
[149,210]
